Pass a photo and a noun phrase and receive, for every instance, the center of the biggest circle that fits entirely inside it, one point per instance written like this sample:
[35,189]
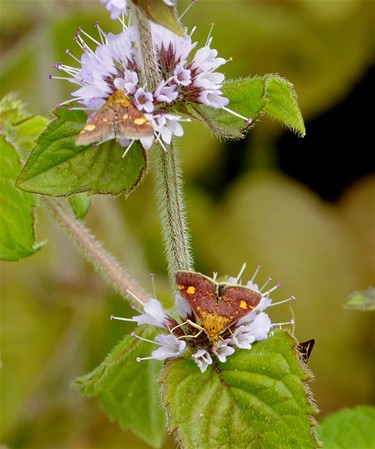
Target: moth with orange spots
[217,306]
[117,119]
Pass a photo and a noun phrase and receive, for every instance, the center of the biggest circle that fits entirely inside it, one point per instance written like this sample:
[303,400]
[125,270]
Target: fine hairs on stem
[172,211]
[168,182]
[103,262]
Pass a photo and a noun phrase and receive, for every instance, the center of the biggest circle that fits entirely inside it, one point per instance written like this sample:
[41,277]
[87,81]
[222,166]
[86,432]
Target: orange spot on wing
[190,290]
[140,121]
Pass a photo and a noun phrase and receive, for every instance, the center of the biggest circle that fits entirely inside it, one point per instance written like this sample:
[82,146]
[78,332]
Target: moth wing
[99,128]
[237,301]
[198,290]
[132,124]
[305,348]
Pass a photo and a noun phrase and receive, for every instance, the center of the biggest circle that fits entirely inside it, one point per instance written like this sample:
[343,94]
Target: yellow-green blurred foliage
[55,310]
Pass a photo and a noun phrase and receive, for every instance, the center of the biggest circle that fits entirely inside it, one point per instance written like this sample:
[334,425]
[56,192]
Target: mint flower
[256,330]
[203,359]
[112,63]
[223,350]
[153,314]
[184,335]
[119,7]
[170,347]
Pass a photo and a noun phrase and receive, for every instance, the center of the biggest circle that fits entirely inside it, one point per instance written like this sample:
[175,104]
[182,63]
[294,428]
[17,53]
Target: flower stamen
[152,276]
[209,37]
[68,52]
[267,293]
[241,273]
[255,273]
[102,34]
[286,323]
[247,119]
[81,30]
[161,143]
[120,318]
[292,298]
[134,296]
[265,284]
[133,334]
[187,9]
[127,149]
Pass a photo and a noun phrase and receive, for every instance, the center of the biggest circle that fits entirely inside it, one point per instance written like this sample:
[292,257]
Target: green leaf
[251,98]
[349,429]
[246,99]
[20,128]
[258,399]
[362,300]
[17,238]
[159,12]
[58,167]
[129,391]
[12,110]
[282,103]
[80,204]
[24,134]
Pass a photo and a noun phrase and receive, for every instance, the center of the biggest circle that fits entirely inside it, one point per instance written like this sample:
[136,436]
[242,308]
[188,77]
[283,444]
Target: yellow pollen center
[243,304]
[190,290]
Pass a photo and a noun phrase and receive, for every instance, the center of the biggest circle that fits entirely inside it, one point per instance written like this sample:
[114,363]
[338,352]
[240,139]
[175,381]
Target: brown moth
[218,306]
[117,119]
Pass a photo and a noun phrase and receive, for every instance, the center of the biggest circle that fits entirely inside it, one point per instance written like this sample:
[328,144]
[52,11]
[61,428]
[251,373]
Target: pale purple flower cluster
[119,7]
[115,64]
[179,335]
[187,80]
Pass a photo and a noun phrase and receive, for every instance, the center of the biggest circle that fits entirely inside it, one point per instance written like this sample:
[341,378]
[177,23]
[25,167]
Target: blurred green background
[302,208]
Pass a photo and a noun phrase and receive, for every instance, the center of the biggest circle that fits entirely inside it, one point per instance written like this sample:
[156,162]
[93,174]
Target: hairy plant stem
[168,180]
[172,212]
[94,252]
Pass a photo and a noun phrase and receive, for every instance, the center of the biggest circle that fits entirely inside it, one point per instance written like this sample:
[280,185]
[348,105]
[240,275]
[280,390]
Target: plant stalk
[94,252]
[169,191]
[168,177]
